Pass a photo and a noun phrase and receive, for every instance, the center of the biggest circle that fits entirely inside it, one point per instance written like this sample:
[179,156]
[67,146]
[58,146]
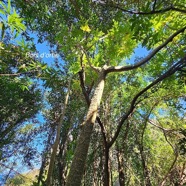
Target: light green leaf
[2,12]
[4,6]
[9,7]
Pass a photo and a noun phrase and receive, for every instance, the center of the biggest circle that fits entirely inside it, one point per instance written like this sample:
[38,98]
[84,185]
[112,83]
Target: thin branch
[161,128]
[16,74]
[132,172]
[19,74]
[173,8]
[82,84]
[141,148]
[165,131]
[96,69]
[154,5]
[103,131]
[21,175]
[165,135]
[180,64]
[172,166]
[147,58]
[146,121]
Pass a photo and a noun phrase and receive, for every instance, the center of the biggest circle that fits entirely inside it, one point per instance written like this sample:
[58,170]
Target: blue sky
[44,53]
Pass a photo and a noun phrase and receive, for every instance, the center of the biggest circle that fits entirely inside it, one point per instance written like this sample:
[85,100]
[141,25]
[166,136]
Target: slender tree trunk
[145,169]
[60,170]
[57,140]
[61,163]
[120,168]
[78,164]
[120,157]
[44,159]
[106,167]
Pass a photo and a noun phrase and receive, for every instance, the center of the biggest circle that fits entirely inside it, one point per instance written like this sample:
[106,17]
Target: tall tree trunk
[145,169]
[61,163]
[120,156]
[146,174]
[120,167]
[44,159]
[106,167]
[57,140]
[80,155]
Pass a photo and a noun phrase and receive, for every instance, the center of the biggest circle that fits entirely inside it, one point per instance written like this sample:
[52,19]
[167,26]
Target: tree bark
[80,155]
[61,163]
[120,168]
[106,167]
[44,160]
[145,169]
[57,140]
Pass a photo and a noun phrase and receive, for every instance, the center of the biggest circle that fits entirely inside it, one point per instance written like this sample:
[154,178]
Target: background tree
[20,96]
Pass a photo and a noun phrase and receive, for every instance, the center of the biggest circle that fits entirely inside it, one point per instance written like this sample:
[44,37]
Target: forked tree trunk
[80,155]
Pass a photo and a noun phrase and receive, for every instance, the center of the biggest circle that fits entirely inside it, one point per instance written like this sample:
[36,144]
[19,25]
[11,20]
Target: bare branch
[82,83]
[103,131]
[154,5]
[147,58]
[165,131]
[171,8]
[16,74]
[20,73]
[159,127]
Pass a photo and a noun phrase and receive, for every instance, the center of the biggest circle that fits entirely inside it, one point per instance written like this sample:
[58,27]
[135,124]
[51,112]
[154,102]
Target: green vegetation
[110,115]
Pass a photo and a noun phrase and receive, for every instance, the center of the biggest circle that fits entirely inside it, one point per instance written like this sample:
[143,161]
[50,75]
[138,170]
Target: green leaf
[2,12]
[9,7]
[4,6]
[74,68]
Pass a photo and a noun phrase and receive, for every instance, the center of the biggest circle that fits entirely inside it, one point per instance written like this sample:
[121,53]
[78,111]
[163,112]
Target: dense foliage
[113,104]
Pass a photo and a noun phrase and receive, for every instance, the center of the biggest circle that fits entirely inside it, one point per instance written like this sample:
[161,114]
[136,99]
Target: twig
[173,8]
[16,172]
[97,69]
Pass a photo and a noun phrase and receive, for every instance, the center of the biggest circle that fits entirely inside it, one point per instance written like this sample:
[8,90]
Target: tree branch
[103,131]
[159,127]
[173,8]
[96,69]
[154,5]
[86,95]
[170,169]
[180,64]
[147,58]
[20,73]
